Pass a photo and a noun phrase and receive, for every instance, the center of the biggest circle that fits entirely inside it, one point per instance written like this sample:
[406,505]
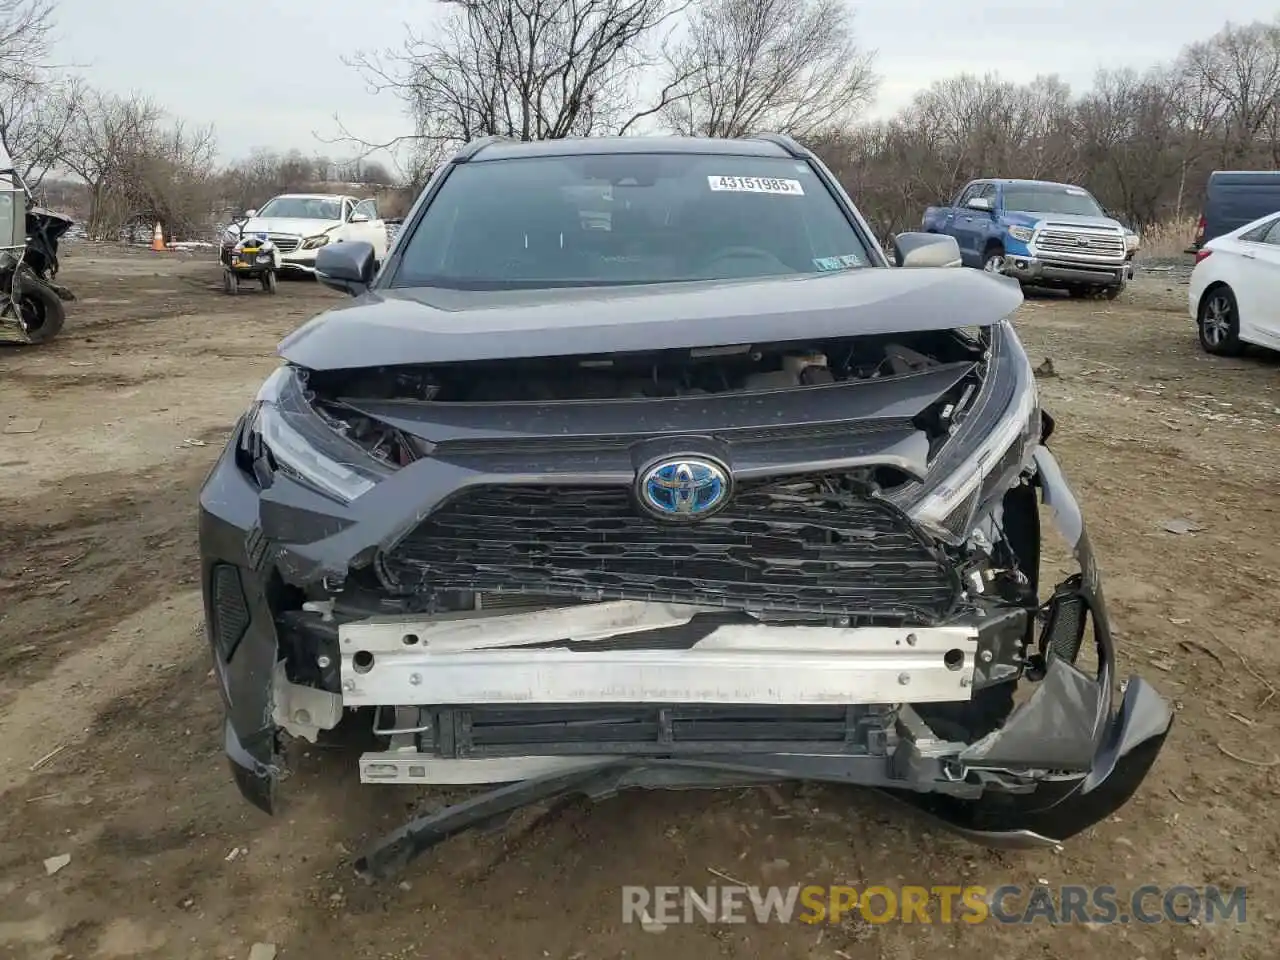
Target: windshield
[303,208]
[1047,198]
[611,219]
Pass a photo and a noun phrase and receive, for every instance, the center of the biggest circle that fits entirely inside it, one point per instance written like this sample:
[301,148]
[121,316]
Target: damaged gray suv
[637,464]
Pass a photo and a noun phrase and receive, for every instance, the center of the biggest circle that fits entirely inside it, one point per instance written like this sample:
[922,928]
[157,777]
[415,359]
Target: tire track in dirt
[87,553]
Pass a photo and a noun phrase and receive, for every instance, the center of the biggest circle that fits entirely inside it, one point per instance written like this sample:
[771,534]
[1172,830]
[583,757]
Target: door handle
[1250,254]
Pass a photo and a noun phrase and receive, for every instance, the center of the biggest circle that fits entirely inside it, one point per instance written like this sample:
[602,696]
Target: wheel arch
[1213,287]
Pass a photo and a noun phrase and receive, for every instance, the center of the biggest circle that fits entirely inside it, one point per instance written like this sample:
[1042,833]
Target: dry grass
[1168,238]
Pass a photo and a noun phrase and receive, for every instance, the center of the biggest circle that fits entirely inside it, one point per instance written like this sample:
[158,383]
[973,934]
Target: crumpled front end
[513,595]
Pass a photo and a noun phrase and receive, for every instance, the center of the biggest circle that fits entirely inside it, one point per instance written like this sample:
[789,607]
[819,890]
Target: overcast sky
[269,72]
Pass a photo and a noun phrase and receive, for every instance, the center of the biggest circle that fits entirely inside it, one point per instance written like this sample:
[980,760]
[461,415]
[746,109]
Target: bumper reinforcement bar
[445,662]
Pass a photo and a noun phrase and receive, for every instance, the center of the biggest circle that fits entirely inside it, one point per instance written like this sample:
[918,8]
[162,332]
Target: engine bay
[657,374]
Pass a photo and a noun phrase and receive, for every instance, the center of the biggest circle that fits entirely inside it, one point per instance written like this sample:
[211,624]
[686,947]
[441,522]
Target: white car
[299,224]
[1234,295]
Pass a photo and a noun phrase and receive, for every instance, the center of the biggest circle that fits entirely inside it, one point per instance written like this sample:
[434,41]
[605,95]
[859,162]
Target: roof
[1246,174]
[579,146]
[1015,181]
[312,196]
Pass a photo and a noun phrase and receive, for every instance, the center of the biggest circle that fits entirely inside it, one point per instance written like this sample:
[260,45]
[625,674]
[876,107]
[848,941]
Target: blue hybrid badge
[683,488]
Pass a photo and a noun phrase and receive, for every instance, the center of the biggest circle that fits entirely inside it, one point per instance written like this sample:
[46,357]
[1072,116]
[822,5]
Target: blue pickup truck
[1043,234]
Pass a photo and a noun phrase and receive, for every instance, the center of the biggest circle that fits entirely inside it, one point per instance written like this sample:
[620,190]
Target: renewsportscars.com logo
[657,907]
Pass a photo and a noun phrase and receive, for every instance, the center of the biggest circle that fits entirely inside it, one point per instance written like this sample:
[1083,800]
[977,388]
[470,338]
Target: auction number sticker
[756,185]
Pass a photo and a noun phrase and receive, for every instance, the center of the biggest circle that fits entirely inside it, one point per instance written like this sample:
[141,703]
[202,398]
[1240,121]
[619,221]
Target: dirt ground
[102,659]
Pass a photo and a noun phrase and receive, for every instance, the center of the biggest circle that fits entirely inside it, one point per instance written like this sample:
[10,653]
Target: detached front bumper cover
[1057,809]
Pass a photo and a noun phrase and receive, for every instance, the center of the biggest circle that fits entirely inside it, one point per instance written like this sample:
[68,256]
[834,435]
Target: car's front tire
[1218,322]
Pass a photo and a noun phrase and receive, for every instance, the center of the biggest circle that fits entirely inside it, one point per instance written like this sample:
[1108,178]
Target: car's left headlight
[1006,449]
[311,243]
[1131,241]
[1023,234]
[305,446]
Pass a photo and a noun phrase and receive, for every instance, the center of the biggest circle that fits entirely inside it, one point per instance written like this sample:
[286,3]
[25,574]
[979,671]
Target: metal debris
[54,864]
[23,425]
[47,757]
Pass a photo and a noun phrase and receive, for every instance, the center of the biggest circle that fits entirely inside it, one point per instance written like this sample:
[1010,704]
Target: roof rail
[472,147]
[783,141]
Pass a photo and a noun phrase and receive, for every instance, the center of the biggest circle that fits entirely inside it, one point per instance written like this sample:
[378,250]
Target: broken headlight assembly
[285,433]
[990,459]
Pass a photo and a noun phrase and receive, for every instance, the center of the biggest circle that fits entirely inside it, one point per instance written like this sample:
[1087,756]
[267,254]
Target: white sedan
[1235,288]
[299,224]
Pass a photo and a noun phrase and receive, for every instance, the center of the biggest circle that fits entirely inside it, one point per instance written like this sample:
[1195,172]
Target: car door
[972,226]
[1259,295]
[373,229]
[344,229]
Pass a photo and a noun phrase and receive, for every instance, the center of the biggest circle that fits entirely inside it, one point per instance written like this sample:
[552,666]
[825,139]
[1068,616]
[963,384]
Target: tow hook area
[302,711]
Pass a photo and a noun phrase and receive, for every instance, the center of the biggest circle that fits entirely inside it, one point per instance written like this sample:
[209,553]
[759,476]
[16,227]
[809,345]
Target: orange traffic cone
[157,239]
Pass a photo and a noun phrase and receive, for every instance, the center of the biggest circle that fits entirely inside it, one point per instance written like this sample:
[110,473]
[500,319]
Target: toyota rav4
[637,465]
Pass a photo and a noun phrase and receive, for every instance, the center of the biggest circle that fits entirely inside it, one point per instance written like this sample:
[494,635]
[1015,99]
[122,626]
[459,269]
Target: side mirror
[359,218]
[251,212]
[346,266]
[926,250]
[980,203]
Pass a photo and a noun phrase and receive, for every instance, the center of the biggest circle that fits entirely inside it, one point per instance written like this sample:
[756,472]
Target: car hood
[301,227]
[1023,218]
[433,325]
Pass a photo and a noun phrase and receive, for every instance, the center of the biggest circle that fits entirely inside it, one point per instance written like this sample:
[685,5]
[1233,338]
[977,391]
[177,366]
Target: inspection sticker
[756,185]
[837,263]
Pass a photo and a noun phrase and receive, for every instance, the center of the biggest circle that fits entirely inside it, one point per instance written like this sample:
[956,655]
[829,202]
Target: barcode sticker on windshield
[756,185]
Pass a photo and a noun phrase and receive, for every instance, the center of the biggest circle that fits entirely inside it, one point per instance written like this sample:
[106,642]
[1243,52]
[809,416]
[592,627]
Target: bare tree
[140,169]
[789,66]
[1241,65]
[105,131]
[169,178]
[36,105]
[35,122]
[252,181]
[527,69]
[26,27]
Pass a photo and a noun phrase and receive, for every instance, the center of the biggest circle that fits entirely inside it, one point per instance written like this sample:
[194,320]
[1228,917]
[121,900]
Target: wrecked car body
[583,531]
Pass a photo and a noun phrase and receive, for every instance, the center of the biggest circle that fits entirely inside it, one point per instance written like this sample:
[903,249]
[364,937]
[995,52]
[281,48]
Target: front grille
[1080,241]
[285,244]
[780,546]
